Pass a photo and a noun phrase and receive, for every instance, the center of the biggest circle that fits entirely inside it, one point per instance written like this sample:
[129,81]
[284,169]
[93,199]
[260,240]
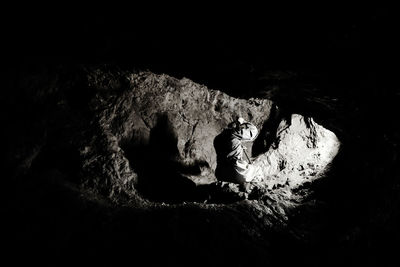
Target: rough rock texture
[301,153]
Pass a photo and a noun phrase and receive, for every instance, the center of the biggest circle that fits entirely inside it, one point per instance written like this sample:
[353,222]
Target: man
[233,164]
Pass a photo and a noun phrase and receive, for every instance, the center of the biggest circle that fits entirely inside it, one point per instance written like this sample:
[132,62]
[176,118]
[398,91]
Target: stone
[301,153]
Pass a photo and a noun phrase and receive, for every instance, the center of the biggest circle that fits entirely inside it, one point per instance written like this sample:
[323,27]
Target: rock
[301,153]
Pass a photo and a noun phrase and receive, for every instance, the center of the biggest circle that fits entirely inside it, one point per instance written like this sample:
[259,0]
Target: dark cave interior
[344,53]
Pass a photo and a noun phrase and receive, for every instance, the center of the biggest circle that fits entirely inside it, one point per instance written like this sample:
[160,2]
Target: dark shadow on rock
[267,133]
[160,174]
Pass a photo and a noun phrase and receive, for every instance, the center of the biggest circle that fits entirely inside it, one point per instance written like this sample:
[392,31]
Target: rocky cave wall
[159,122]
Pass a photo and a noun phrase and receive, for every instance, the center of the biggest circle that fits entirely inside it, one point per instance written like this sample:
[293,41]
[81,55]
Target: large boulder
[301,153]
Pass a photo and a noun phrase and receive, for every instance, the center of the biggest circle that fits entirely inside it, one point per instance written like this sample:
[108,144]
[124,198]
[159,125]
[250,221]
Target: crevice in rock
[268,133]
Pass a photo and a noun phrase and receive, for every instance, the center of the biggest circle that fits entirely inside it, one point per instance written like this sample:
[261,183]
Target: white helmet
[241,120]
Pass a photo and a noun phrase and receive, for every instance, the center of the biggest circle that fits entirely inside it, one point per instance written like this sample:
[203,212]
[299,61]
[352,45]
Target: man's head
[237,124]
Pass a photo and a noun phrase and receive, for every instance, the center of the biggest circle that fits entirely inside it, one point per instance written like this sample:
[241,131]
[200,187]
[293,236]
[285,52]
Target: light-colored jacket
[246,133]
[235,167]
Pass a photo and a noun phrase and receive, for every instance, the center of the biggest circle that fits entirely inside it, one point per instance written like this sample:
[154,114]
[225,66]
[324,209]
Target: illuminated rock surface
[302,151]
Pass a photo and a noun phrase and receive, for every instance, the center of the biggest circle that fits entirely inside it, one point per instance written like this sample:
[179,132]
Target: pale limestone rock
[302,152]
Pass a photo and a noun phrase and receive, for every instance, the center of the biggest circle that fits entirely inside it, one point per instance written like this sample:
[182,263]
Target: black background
[220,45]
